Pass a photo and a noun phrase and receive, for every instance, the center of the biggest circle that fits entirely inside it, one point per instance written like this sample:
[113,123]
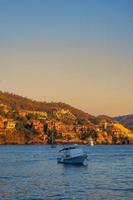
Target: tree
[45,127]
[20,126]
[2,113]
[51,135]
[80,121]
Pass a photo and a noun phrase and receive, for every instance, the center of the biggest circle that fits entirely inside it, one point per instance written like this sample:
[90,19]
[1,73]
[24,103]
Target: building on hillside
[59,126]
[38,126]
[41,115]
[10,124]
[51,124]
[23,113]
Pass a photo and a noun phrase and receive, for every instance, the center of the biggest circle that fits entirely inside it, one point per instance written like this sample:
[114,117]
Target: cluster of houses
[40,114]
[4,122]
[7,124]
[68,131]
[10,124]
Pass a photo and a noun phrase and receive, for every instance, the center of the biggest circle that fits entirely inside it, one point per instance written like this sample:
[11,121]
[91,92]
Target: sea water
[31,172]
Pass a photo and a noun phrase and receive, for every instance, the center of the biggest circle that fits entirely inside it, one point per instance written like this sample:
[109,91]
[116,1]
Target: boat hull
[73,160]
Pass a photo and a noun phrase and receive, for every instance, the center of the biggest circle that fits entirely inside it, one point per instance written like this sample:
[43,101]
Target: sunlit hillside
[24,121]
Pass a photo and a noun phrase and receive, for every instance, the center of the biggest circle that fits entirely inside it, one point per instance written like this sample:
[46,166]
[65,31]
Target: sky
[75,51]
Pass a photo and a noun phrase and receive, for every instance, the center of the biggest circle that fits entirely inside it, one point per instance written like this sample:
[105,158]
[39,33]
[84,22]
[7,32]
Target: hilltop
[26,121]
[126,120]
[24,103]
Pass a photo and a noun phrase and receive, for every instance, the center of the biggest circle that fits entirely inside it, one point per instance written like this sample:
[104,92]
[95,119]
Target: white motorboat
[72,155]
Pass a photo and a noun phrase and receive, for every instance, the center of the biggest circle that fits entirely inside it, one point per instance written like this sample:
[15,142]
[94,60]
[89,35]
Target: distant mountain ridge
[126,120]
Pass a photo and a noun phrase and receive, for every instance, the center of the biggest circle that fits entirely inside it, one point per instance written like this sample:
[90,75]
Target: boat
[72,155]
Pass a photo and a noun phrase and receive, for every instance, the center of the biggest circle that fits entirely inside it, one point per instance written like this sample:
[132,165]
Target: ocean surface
[32,173]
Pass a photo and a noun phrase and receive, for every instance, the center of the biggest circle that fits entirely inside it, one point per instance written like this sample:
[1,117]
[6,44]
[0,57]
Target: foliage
[51,135]
[23,103]
[2,113]
[20,126]
[65,116]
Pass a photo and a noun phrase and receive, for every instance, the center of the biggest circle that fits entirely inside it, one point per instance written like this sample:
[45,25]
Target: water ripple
[32,173]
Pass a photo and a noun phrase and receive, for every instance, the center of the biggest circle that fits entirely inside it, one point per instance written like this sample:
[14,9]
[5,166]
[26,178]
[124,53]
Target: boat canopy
[68,148]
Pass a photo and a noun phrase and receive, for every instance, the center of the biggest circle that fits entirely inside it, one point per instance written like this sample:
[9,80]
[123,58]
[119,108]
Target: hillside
[126,120]
[25,121]
[23,103]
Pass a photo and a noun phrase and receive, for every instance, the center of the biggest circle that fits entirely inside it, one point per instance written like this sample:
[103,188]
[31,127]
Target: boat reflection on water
[72,155]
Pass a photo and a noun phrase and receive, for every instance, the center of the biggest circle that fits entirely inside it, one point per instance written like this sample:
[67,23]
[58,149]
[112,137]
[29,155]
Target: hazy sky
[75,51]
